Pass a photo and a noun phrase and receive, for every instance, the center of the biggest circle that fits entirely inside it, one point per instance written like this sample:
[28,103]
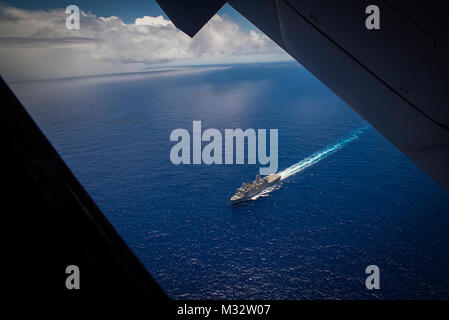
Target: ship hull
[253,193]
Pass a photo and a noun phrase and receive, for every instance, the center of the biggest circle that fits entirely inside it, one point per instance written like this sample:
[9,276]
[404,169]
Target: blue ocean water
[363,203]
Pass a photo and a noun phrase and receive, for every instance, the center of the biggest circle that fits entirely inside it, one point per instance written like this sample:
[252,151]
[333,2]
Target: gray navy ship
[249,190]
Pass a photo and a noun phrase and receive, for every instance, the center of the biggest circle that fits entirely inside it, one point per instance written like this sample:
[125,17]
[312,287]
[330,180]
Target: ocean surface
[348,200]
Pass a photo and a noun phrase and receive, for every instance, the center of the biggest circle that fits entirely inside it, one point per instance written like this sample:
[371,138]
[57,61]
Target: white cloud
[35,44]
[154,21]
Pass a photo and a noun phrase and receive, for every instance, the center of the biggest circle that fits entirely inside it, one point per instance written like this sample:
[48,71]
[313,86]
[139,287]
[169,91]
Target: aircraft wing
[395,77]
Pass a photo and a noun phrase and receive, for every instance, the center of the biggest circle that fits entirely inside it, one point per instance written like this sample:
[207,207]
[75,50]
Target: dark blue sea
[313,237]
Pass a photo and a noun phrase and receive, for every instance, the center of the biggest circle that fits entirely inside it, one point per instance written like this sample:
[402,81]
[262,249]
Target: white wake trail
[320,155]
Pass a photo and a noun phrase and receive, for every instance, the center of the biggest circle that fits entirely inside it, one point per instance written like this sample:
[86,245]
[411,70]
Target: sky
[117,37]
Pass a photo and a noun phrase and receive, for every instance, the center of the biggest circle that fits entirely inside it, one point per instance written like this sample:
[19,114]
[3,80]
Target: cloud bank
[35,44]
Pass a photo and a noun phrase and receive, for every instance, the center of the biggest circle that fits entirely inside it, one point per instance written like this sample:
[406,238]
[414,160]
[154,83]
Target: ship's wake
[311,160]
[321,154]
